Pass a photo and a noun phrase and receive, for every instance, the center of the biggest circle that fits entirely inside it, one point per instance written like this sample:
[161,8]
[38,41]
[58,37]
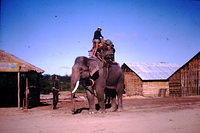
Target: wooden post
[18,84]
[27,93]
[198,82]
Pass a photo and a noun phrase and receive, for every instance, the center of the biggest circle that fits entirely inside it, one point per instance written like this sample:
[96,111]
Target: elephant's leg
[107,97]
[90,97]
[112,94]
[119,99]
[101,102]
[100,85]
[100,98]
[113,105]
[120,91]
[73,103]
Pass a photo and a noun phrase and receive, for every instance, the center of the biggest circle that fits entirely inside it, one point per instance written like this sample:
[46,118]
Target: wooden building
[19,81]
[147,79]
[186,80]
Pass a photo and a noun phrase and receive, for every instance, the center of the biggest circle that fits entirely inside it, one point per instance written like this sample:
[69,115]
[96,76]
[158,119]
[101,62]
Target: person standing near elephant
[55,91]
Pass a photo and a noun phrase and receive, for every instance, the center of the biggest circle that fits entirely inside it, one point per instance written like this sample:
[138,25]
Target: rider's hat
[99,28]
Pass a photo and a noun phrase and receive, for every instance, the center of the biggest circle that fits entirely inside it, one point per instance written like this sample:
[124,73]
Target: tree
[47,83]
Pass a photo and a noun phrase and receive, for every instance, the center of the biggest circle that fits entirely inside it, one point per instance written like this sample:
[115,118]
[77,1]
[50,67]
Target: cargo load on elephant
[103,50]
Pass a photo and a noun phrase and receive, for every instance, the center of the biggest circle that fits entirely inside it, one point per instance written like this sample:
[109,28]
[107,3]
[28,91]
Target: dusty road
[140,115]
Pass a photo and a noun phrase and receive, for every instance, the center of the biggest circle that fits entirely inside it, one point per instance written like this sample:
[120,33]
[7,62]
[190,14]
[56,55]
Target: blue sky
[50,34]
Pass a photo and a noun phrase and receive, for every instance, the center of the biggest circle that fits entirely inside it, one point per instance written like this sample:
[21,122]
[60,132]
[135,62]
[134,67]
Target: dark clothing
[97,35]
[56,88]
[55,98]
[96,40]
[56,83]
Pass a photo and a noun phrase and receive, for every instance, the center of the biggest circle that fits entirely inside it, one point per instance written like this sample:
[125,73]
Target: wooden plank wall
[186,79]
[152,88]
[190,78]
[133,84]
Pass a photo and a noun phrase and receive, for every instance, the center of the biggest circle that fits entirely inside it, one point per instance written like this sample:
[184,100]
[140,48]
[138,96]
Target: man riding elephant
[97,39]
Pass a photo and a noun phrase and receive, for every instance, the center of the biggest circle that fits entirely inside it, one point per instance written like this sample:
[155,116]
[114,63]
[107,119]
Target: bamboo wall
[133,84]
[153,88]
[186,81]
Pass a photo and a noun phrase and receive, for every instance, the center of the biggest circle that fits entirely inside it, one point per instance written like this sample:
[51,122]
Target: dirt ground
[140,115]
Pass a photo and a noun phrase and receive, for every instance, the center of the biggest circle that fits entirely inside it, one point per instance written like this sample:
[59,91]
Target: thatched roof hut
[11,63]
[19,81]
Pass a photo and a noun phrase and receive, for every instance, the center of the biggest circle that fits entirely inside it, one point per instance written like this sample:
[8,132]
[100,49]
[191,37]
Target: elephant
[98,78]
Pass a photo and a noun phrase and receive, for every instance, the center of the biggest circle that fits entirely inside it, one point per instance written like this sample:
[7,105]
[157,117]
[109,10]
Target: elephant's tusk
[76,87]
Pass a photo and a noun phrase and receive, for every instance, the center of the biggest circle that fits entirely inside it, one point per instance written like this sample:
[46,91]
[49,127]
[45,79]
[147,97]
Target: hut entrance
[9,89]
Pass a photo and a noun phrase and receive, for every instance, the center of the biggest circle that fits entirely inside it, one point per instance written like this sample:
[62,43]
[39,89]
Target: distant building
[186,80]
[148,79]
[18,80]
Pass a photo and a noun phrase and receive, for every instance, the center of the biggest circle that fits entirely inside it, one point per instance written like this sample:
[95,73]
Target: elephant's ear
[93,67]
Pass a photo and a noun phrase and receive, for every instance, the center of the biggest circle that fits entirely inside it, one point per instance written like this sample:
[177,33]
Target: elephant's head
[84,69]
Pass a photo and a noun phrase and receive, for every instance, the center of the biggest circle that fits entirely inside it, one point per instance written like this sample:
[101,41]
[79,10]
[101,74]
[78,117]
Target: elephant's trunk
[75,77]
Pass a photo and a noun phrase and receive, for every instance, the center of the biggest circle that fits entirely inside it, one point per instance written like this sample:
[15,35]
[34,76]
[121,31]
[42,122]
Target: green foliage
[47,83]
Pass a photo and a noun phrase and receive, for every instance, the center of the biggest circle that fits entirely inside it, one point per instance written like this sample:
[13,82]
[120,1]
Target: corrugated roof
[197,56]
[13,60]
[153,71]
